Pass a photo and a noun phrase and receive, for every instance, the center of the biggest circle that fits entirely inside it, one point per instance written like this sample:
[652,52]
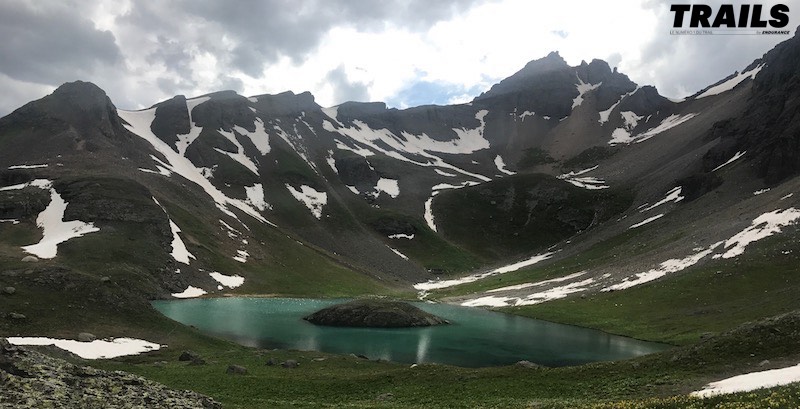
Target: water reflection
[475,338]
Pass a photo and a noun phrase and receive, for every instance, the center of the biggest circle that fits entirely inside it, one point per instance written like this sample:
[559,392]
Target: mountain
[578,168]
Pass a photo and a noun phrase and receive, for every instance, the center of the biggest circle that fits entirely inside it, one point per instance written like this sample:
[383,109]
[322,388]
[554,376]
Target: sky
[403,52]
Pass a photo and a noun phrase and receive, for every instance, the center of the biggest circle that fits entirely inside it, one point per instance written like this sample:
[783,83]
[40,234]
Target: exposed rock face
[375,314]
[29,379]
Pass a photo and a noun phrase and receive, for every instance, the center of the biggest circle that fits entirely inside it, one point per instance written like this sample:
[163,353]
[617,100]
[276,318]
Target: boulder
[271,362]
[9,290]
[30,259]
[529,365]
[375,314]
[188,356]
[236,370]
[16,316]
[86,337]
[290,363]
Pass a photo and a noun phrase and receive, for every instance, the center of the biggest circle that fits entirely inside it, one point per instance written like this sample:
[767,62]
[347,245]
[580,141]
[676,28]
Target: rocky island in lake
[374,314]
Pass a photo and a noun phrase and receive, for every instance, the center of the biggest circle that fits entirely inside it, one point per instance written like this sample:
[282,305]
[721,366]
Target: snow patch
[525,114]
[645,221]
[241,256]
[443,173]
[12,221]
[228,281]
[313,199]
[535,298]
[501,166]
[179,251]
[54,229]
[674,196]
[759,192]
[584,182]
[762,226]
[731,83]
[429,213]
[670,266]
[738,155]
[27,167]
[388,186]
[97,349]
[751,381]
[582,88]
[437,284]
[622,136]
[255,197]
[190,292]
[401,236]
[395,251]
[537,284]
[331,162]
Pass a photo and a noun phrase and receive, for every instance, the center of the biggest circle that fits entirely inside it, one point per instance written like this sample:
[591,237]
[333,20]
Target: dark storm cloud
[261,31]
[51,43]
[344,89]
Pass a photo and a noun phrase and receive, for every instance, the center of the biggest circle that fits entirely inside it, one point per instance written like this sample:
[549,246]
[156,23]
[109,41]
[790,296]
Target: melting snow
[468,141]
[526,113]
[437,284]
[54,229]
[239,155]
[190,292]
[139,123]
[584,182]
[787,196]
[537,284]
[12,221]
[179,251]
[255,197]
[731,83]
[762,191]
[97,349]
[735,157]
[648,220]
[674,195]
[582,89]
[620,135]
[429,213]
[763,226]
[241,256]
[331,161]
[670,266]
[536,298]
[388,186]
[443,173]
[26,167]
[228,281]
[501,166]
[631,119]
[313,200]
[403,256]
[401,236]
[751,381]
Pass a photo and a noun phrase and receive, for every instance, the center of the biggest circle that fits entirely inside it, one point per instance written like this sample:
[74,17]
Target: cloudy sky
[403,52]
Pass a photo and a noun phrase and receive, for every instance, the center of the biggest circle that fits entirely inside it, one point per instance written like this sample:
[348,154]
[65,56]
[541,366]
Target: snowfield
[751,381]
[97,349]
[312,199]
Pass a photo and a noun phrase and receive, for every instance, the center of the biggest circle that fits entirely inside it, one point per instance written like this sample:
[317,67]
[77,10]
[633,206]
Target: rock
[385,396]
[375,314]
[706,335]
[197,361]
[105,279]
[34,380]
[16,316]
[30,259]
[188,356]
[271,362]
[764,363]
[529,365]
[86,337]
[290,363]
[9,290]
[236,370]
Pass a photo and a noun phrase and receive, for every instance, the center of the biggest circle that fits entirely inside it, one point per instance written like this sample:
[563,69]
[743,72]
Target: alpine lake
[474,338]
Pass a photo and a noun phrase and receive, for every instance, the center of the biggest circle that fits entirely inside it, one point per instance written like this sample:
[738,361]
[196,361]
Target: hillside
[567,193]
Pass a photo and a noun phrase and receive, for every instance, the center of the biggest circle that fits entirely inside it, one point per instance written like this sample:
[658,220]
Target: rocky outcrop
[29,379]
[374,314]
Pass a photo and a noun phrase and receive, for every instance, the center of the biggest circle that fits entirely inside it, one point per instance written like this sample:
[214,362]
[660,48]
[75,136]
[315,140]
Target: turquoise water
[475,338]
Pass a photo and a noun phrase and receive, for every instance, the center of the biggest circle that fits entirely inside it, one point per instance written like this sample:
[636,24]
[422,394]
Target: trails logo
[747,19]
